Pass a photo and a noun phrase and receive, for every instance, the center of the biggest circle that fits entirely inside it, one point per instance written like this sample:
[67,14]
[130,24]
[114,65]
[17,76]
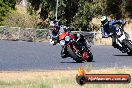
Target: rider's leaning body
[108,27]
[57,29]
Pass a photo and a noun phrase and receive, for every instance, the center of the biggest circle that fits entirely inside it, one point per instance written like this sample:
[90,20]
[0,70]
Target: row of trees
[76,13]
[118,8]
[73,13]
[5,7]
[79,13]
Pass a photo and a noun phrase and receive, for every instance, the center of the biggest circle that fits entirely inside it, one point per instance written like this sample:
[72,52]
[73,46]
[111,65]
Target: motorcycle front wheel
[129,53]
[73,55]
[129,45]
[63,55]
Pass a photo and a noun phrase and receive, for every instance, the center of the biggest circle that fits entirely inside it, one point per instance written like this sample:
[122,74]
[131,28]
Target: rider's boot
[64,53]
[116,46]
[123,49]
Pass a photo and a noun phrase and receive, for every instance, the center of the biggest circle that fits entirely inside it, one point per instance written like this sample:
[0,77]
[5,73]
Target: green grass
[24,84]
[64,81]
[41,84]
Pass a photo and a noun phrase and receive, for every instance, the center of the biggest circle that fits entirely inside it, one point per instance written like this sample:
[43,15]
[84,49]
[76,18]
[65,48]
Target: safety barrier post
[19,30]
[94,38]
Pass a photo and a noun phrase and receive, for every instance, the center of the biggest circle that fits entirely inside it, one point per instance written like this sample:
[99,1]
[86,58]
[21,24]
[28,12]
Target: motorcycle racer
[56,29]
[108,27]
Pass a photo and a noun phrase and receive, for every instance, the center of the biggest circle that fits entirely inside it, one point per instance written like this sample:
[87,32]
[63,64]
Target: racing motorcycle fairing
[63,35]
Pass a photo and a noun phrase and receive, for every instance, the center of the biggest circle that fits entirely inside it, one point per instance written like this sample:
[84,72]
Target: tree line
[73,13]
[5,7]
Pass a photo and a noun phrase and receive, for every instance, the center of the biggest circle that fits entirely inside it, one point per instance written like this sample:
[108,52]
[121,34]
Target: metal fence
[35,35]
[89,36]
[24,34]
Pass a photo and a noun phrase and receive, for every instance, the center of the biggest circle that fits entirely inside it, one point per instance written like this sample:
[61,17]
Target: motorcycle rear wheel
[90,57]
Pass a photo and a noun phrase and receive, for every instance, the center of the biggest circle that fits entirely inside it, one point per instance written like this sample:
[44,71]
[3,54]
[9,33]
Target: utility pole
[56,9]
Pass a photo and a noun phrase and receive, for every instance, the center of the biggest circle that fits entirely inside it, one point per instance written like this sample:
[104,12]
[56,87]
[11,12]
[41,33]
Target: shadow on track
[70,62]
[76,62]
[121,55]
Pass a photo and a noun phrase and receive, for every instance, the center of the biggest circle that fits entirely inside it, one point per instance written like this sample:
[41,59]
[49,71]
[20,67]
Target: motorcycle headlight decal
[67,38]
[62,42]
[122,37]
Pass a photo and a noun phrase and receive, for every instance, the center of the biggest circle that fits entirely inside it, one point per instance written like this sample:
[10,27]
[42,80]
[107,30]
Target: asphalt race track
[20,55]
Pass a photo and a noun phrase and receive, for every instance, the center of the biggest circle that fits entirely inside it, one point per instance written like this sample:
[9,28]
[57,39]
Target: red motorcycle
[73,49]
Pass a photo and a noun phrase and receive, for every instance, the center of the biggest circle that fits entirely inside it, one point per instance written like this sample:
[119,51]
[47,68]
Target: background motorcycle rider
[108,27]
[53,32]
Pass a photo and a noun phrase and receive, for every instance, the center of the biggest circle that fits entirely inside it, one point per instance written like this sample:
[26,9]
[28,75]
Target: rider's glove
[124,23]
[52,42]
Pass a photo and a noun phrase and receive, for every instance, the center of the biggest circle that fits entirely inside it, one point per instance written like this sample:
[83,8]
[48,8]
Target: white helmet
[52,23]
[104,20]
